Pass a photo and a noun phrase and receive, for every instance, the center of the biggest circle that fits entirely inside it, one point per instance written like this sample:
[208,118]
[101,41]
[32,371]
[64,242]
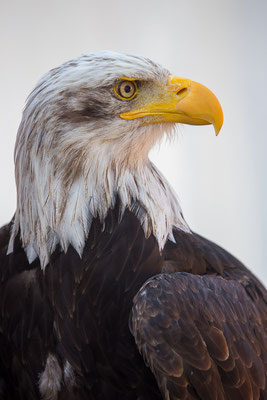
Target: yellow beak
[183,101]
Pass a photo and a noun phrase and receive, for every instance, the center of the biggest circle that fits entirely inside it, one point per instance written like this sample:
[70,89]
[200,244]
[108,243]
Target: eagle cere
[117,297]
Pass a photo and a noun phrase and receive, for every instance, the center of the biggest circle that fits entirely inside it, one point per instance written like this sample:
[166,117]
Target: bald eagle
[106,293]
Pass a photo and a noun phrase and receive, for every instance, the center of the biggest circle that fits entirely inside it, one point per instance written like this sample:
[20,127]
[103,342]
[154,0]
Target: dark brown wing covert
[202,336]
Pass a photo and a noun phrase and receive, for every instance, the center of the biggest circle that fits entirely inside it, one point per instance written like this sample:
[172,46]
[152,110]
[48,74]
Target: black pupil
[127,88]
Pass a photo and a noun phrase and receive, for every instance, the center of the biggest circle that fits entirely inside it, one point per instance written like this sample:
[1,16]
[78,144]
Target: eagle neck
[65,214]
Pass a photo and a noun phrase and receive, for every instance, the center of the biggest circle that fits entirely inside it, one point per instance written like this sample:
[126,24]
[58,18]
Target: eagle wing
[203,332]
[26,323]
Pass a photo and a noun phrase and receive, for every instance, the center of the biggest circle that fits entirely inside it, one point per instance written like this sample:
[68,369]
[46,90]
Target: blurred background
[220,181]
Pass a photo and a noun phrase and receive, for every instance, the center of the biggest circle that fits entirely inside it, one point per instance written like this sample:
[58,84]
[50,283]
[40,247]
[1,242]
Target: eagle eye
[126,89]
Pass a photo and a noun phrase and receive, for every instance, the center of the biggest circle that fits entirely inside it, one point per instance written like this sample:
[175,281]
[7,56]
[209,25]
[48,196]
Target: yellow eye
[126,90]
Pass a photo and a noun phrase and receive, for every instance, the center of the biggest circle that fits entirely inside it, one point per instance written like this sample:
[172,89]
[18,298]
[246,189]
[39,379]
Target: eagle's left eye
[126,90]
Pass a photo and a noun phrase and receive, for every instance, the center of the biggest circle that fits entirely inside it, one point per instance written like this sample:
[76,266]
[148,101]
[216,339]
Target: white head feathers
[74,156]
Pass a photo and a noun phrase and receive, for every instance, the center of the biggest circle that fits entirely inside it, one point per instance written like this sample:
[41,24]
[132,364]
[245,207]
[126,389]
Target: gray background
[221,182]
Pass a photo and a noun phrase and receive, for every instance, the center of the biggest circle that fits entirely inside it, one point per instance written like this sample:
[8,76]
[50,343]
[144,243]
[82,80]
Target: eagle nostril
[181,92]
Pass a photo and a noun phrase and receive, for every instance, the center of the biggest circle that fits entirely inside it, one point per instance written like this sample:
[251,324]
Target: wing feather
[202,336]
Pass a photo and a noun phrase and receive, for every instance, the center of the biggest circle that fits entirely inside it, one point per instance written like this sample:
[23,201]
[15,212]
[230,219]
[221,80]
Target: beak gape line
[185,102]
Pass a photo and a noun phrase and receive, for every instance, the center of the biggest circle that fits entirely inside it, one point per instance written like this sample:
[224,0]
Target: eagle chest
[93,297]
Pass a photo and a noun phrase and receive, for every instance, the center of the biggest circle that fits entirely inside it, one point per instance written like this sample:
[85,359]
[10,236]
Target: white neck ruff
[58,215]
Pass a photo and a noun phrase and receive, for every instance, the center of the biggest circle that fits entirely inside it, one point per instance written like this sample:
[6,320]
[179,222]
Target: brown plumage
[202,332]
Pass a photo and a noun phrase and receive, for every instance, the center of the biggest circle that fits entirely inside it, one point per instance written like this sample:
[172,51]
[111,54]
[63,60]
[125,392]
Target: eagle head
[83,144]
